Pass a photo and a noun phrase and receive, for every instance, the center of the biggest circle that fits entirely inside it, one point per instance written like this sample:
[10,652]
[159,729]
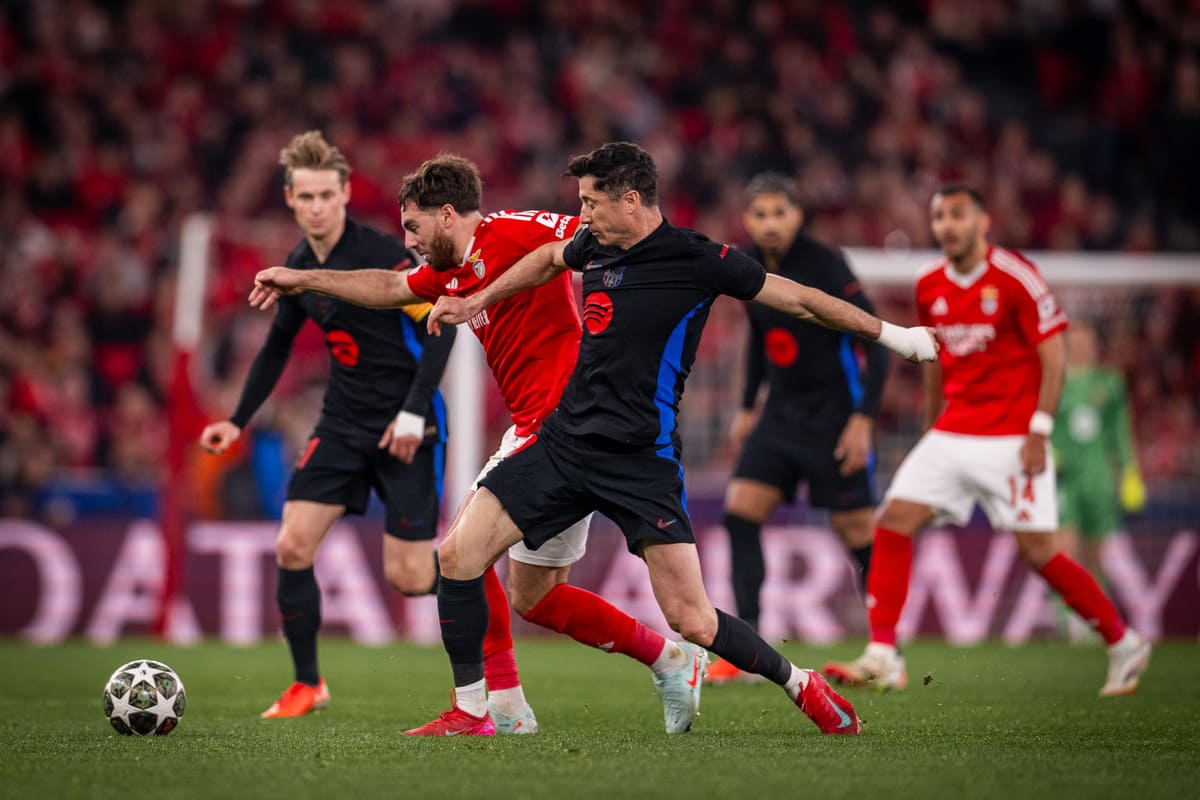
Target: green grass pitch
[987,721]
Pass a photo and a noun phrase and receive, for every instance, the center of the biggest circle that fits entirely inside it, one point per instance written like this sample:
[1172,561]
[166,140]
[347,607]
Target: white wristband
[408,424]
[908,342]
[1041,423]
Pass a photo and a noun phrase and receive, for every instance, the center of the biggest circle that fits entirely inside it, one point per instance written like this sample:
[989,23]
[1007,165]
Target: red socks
[1080,591]
[592,620]
[499,661]
[887,583]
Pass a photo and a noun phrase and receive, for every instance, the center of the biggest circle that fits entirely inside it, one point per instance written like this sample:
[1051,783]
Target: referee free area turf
[986,721]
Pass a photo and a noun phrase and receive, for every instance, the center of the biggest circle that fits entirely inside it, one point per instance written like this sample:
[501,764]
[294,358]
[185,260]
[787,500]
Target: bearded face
[441,254]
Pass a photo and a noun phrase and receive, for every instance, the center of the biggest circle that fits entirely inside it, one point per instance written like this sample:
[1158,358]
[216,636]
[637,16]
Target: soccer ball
[144,698]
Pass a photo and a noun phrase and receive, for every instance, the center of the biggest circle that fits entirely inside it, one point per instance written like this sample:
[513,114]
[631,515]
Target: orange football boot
[297,700]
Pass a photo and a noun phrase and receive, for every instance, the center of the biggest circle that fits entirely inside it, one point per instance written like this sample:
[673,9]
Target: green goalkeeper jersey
[1091,435]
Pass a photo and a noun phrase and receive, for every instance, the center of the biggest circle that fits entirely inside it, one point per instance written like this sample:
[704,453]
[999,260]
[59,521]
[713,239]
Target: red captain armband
[1041,424]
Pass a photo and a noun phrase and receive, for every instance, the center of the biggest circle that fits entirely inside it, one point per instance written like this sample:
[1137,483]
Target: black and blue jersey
[376,364]
[813,374]
[644,309]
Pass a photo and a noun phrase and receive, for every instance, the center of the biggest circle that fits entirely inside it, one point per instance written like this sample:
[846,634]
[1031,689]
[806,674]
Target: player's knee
[410,577]
[1037,549]
[292,552]
[448,563]
[693,623]
[527,586]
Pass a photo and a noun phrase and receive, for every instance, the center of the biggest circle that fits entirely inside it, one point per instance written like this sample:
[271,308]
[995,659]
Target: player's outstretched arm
[534,269]
[804,302]
[373,288]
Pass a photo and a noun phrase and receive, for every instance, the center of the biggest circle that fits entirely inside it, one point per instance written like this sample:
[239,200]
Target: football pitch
[987,721]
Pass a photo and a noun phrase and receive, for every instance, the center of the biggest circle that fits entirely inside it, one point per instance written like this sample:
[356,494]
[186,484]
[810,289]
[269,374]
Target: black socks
[299,600]
[746,565]
[737,643]
[463,614]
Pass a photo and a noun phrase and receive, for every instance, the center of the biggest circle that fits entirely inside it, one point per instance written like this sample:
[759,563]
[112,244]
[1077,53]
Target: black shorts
[335,471]
[557,479]
[768,459]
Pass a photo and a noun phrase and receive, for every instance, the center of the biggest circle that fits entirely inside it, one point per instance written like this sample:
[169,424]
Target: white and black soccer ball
[144,698]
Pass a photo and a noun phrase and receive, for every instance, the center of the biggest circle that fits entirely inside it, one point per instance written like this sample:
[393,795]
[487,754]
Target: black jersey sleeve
[756,364]
[435,352]
[732,272]
[580,249]
[271,359]
[850,290]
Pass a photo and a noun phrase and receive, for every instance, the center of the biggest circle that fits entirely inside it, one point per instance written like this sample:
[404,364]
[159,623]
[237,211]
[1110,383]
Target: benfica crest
[989,300]
[477,264]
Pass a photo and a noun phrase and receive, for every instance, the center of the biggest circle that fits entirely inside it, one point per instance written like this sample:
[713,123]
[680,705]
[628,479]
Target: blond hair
[309,150]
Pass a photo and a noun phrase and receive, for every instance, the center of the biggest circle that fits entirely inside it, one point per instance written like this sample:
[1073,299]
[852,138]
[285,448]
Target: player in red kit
[990,402]
[531,341]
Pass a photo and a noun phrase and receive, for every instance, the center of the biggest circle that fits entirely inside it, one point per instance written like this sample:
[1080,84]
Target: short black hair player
[613,443]
[816,424]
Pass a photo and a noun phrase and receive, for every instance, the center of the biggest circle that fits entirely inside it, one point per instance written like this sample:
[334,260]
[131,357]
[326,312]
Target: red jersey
[990,323]
[531,339]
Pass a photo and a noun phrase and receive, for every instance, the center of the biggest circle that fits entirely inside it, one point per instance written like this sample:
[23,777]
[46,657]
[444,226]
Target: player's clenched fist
[915,344]
[452,311]
[273,283]
[217,437]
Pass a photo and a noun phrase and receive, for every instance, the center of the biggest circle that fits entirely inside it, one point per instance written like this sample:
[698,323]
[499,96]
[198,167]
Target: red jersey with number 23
[990,322]
[530,340]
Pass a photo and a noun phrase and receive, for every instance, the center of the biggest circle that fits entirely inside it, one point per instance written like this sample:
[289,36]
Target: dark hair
[771,183]
[958,187]
[444,179]
[309,150]
[619,167]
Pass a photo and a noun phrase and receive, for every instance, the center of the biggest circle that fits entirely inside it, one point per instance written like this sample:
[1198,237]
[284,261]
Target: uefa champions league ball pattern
[144,698]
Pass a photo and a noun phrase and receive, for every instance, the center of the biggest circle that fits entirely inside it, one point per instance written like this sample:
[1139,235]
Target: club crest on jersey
[989,300]
[939,307]
[612,277]
[477,264]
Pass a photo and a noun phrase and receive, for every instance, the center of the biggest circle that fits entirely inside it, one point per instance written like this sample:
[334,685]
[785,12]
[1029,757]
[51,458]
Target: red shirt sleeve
[426,283]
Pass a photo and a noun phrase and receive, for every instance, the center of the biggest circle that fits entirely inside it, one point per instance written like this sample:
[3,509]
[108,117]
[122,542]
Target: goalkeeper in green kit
[1093,445]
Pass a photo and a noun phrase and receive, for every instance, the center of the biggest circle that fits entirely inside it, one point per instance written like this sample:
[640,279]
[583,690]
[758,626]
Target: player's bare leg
[679,589]
[880,665]
[304,526]
[409,566]
[1128,652]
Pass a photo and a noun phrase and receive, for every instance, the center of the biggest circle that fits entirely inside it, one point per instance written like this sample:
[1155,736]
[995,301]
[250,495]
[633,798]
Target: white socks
[797,683]
[671,657]
[509,702]
[472,698]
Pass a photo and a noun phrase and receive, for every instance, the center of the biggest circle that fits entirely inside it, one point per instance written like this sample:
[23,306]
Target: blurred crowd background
[1079,120]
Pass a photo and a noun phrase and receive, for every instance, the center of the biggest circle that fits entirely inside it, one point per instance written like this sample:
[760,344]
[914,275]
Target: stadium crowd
[1078,120]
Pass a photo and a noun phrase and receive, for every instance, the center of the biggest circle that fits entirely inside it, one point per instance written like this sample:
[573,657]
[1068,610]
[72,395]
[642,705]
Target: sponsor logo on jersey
[342,347]
[597,313]
[592,265]
[989,300]
[939,307]
[453,284]
[962,339]
[781,347]
[479,320]
[612,277]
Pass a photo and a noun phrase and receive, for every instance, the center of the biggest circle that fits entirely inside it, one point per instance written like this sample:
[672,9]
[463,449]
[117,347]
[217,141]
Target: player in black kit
[817,421]
[382,424]
[613,444]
